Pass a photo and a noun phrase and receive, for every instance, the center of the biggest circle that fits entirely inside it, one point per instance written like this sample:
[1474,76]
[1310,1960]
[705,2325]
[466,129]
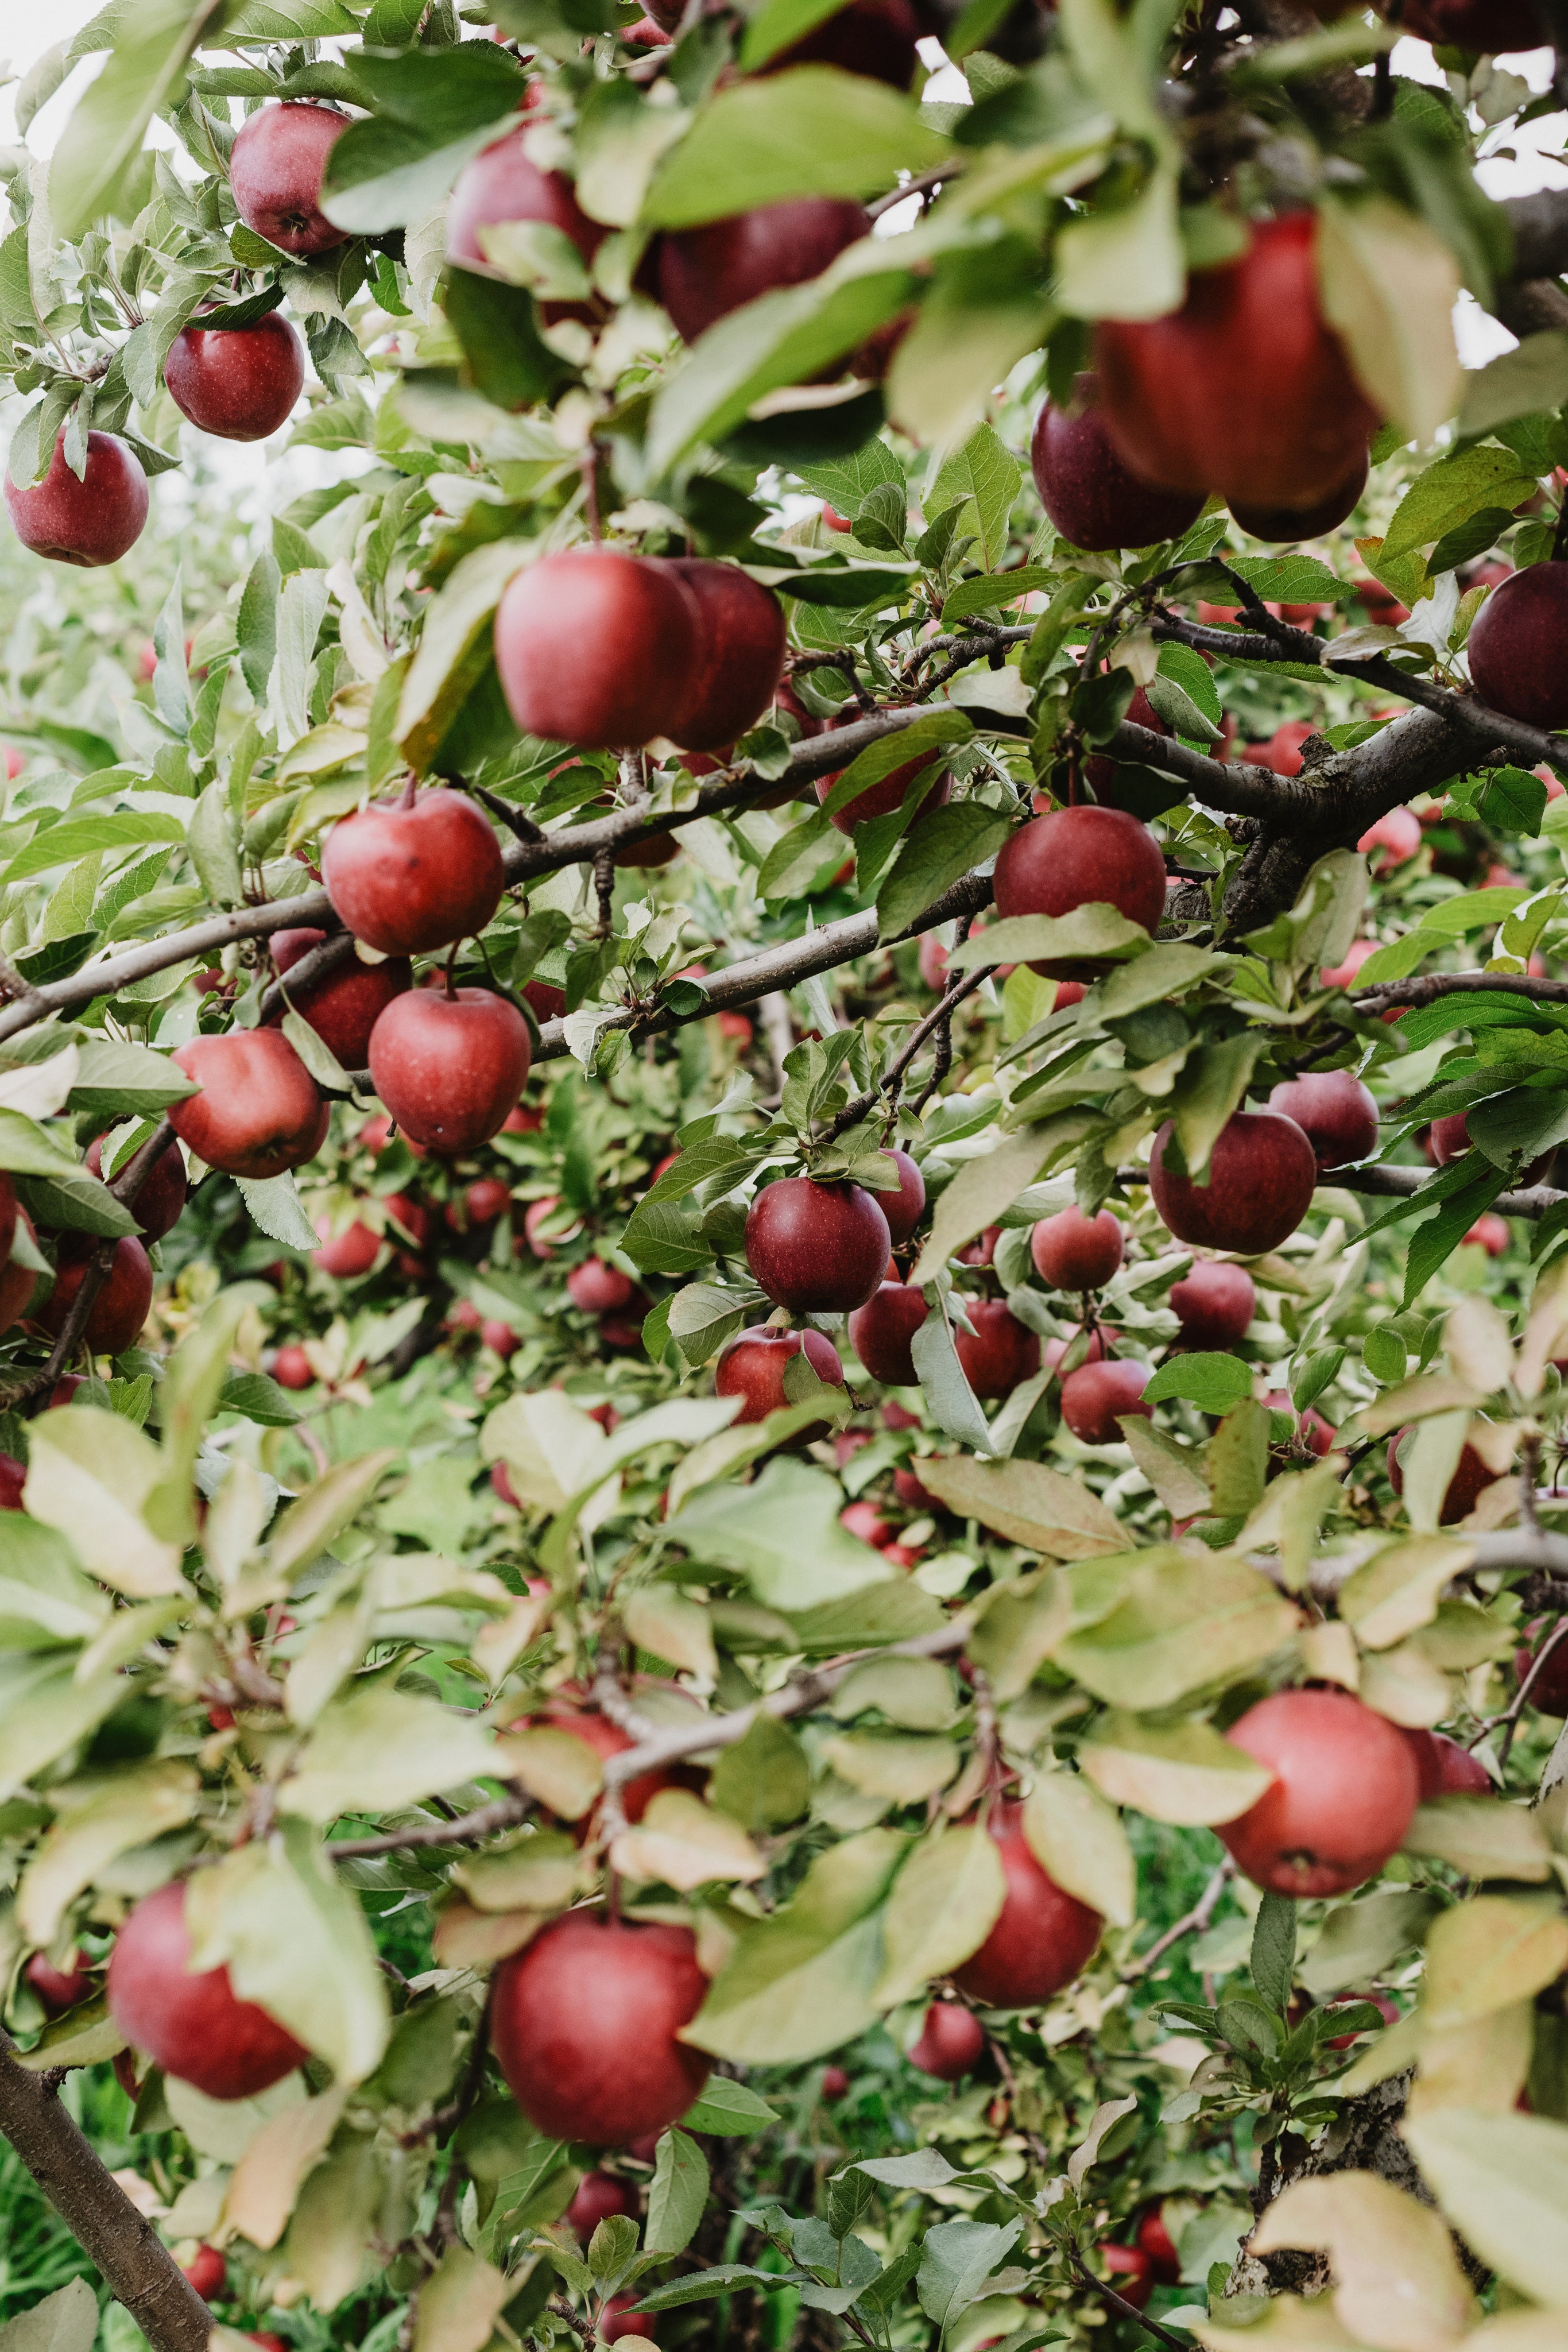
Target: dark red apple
[1334,1111]
[58,1989]
[1002,1353]
[1128,2270]
[343,1008]
[291,1367]
[563,1713]
[1262,1173]
[881,1333]
[190,2022]
[208,2272]
[485,1199]
[598,2196]
[1090,495]
[1471,1476]
[835,2082]
[1548,1691]
[406,878]
[874,37]
[596,648]
[905,1204]
[1344,1788]
[951,2043]
[549,1002]
[17,1282]
[450,1067]
[619,2319]
[1073,1252]
[258,1111]
[1449,1138]
[705,273]
[1043,1938]
[740,653]
[584,2020]
[752,1367]
[1246,390]
[1518,643]
[1154,2239]
[239,383]
[863,1520]
[123,1302]
[500,1337]
[1214,1305]
[1095,1394]
[597,1289]
[1444,1769]
[501,184]
[352,1252]
[1495,27]
[913,1494]
[1078,857]
[882,798]
[161,1196]
[1056,1350]
[13,1478]
[1289,525]
[90,522]
[818,1249]
[275,174]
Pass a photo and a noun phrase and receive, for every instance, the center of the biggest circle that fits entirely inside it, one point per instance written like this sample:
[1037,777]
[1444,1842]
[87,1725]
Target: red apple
[89,522]
[1073,1252]
[598,2196]
[352,1252]
[619,2319]
[1516,642]
[982,1250]
[913,1494]
[1246,390]
[407,877]
[882,1330]
[501,184]
[596,648]
[550,1004]
[208,2272]
[1095,1394]
[1044,1936]
[1490,1233]
[1491,26]
[1471,1476]
[1129,2271]
[817,1249]
[17,1282]
[1077,858]
[275,174]
[1344,1788]
[162,1197]
[1549,1692]
[1090,495]
[752,1367]
[835,2082]
[951,2043]
[904,1204]
[1056,1350]
[536,1215]
[933,962]
[191,2022]
[1214,1305]
[450,1067]
[705,273]
[597,1289]
[863,1520]
[739,654]
[239,383]
[1291,524]
[1444,1769]
[1341,975]
[584,2020]
[258,1111]
[882,798]
[1334,1111]
[124,1300]
[13,1478]
[874,37]
[58,1989]
[488,1198]
[343,1008]
[1002,1353]
[291,1367]
[1397,835]
[1449,1138]
[1261,1175]
[1154,2239]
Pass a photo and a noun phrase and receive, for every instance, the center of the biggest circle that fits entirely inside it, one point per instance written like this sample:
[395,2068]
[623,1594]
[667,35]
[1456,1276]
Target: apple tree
[781,1393]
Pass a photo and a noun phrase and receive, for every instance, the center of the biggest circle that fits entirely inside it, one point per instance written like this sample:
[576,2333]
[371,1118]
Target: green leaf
[810,131]
[1501,2179]
[983,593]
[943,846]
[1273,1959]
[782,1534]
[1213,1382]
[258,1397]
[1530,381]
[982,480]
[1450,490]
[96,156]
[763,1781]
[949,1398]
[677,2193]
[497,327]
[727,2110]
[74,837]
[277,1211]
[1175,1626]
[945,1902]
[957,2260]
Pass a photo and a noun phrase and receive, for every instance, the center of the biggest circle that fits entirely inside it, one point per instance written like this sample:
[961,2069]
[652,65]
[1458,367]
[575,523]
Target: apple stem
[409,790]
[451,963]
[588,465]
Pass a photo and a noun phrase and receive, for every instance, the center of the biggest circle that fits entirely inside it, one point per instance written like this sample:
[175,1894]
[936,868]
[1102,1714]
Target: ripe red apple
[548,1003]
[597,1289]
[1471,1476]
[1090,495]
[239,383]
[874,37]
[501,184]
[1154,2239]
[752,1367]
[500,1337]
[1262,1176]
[534,1216]
[1129,2271]
[1516,646]
[352,1252]
[450,1067]
[208,2272]
[189,2021]
[817,1249]
[1095,1394]
[951,2043]
[1073,1252]
[598,2196]
[1055,1351]
[1495,27]
[485,1199]
[618,2319]
[1449,1138]
[1490,1233]
[882,1330]
[1078,857]
[409,876]
[17,1282]
[596,648]
[1444,1769]
[1334,1111]
[13,1478]
[1291,524]
[161,1198]
[739,654]
[1002,1353]
[1549,1692]
[58,1989]
[343,1008]
[1340,975]
[258,1111]
[275,174]
[882,798]
[1397,835]
[123,1302]
[1214,1305]
[90,522]
[1043,1938]
[562,1713]
[705,273]
[913,1494]
[584,2020]
[905,1204]
[1344,1788]
[291,1367]
[835,2082]
[1246,390]
[865,1520]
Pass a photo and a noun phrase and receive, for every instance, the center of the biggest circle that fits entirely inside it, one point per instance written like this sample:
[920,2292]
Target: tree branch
[140,2272]
[1192,1923]
[1401,1184]
[1376,996]
[466,1830]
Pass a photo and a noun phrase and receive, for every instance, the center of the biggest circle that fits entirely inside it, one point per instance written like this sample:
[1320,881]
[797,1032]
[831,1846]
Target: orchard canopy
[784,1180]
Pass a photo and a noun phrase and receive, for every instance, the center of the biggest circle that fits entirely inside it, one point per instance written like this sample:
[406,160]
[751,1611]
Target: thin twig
[468,1828]
[1192,1923]
[1119,2302]
[853,1113]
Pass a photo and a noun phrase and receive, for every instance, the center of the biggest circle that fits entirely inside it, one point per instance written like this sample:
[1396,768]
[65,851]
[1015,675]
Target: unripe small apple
[815,1248]
[1077,858]
[1262,1173]
[123,1302]
[1043,1938]
[881,1333]
[275,174]
[409,876]
[90,522]
[1344,1788]
[1334,1111]
[1214,1305]
[239,383]
[951,2045]
[1094,500]
[449,1066]
[191,2022]
[258,1111]
[1003,1352]
[1095,1395]
[753,1364]
[1073,1252]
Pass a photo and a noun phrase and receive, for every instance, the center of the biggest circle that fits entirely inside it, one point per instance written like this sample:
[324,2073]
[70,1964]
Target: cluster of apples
[123,1300]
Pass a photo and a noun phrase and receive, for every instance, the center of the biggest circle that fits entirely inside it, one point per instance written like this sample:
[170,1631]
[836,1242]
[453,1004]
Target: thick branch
[1400,1183]
[142,2272]
[1377,995]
